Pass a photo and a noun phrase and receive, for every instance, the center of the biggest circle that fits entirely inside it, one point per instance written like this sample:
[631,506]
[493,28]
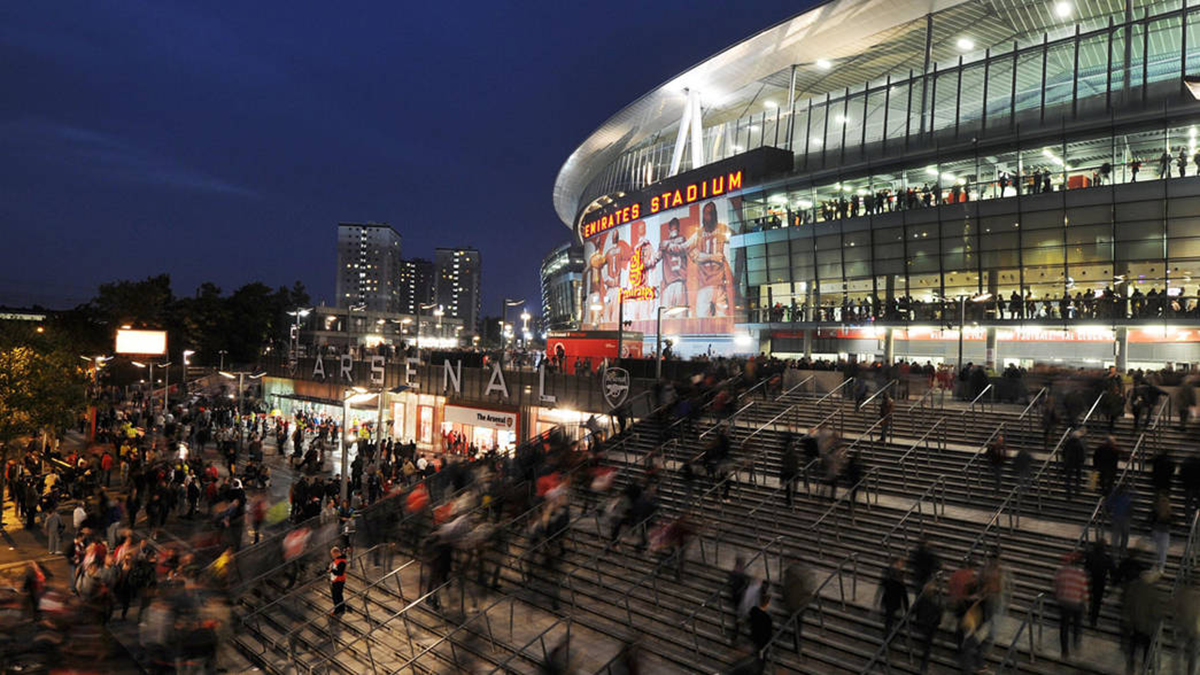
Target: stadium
[996,181]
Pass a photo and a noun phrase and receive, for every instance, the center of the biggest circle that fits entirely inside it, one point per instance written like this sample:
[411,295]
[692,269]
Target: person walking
[1071,594]
[1187,624]
[1161,519]
[797,591]
[892,596]
[997,455]
[927,616]
[886,407]
[789,468]
[1073,454]
[1141,613]
[337,580]
[54,532]
[1099,566]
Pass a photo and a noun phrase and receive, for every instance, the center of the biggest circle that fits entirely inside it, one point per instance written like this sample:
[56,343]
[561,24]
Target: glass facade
[1108,65]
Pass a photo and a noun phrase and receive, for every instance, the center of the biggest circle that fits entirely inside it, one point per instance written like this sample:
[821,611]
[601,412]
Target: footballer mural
[674,259]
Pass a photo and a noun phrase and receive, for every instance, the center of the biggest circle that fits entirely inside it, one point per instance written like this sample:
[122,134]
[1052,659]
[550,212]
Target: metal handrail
[900,462]
[691,618]
[867,433]
[884,648]
[928,394]
[1036,609]
[814,530]
[1096,511]
[938,486]
[297,590]
[1032,403]
[966,470]
[880,391]
[764,425]
[1153,657]
[500,667]
[730,420]
[761,382]
[795,387]
[971,406]
[1091,410]
[833,391]
[798,615]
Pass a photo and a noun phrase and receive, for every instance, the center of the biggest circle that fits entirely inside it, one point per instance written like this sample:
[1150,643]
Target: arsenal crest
[615,386]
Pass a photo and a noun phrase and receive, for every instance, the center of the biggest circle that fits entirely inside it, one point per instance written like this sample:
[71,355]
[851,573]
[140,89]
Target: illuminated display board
[148,342]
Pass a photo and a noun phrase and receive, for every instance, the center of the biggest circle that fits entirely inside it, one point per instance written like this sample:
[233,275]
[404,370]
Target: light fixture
[1062,9]
[769,104]
[841,119]
[824,64]
[966,44]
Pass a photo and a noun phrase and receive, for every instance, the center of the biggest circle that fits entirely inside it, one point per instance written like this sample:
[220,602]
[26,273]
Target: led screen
[141,342]
[678,259]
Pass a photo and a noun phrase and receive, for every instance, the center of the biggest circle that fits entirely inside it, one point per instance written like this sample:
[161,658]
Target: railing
[970,476]
[1029,420]
[840,413]
[884,651]
[1088,416]
[866,482]
[795,387]
[851,560]
[929,393]
[448,637]
[541,638]
[1014,515]
[974,408]
[941,445]
[936,495]
[867,433]
[817,405]
[1093,521]
[1153,662]
[1034,615]
[1038,481]
[715,596]
[877,393]
[730,421]
[760,428]
[762,382]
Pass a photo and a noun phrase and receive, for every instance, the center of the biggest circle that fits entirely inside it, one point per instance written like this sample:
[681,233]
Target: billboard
[677,258]
[141,342]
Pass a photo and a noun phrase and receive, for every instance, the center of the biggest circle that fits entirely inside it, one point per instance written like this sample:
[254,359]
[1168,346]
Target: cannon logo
[616,386]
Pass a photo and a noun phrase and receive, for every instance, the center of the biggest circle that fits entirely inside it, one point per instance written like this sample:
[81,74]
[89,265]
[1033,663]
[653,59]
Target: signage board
[145,342]
[480,417]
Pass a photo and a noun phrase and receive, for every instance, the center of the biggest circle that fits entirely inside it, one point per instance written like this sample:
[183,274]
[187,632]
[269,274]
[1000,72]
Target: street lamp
[658,336]
[222,352]
[352,308]
[298,313]
[351,395]
[186,354]
[962,319]
[240,377]
[150,368]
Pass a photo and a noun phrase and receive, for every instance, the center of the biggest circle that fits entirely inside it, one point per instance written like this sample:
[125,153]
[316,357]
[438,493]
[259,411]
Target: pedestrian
[1141,612]
[923,563]
[1073,454]
[797,592]
[762,628]
[927,616]
[1071,594]
[1161,519]
[337,580]
[1189,479]
[789,468]
[1099,566]
[997,456]
[892,596]
[1187,622]
[1105,460]
[886,407]
[736,584]
[54,532]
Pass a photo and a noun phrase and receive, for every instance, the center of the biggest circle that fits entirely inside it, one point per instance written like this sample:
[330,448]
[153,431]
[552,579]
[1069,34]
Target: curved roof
[856,41]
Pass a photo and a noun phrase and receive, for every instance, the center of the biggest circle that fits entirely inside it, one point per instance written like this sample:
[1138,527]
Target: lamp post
[349,396]
[240,377]
[186,354]
[420,309]
[508,302]
[222,352]
[351,308]
[298,313]
[150,368]
[166,385]
[658,336]
[962,319]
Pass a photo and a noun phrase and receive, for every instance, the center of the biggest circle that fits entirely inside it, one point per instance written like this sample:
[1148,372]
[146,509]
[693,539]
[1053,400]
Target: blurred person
[1105,460]
[762,628]
[923,563]
[797,592]
[1161,519]
[1189,479]
[1071,594]
[1142,611]
[789,467]
[1187,624]
[997,456]
[1073,453]
[892,596]
[993,593]
[1099,566]
[927,616]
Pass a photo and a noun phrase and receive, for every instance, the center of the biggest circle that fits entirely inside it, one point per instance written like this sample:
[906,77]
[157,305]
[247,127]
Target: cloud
[103,157]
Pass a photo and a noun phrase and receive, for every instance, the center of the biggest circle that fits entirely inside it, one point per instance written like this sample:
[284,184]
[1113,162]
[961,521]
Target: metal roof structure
[836,45]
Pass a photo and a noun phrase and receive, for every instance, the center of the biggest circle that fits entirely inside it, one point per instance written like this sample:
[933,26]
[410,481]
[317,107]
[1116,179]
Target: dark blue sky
[223,141]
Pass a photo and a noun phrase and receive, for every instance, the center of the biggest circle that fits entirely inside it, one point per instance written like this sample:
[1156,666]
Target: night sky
[223,141]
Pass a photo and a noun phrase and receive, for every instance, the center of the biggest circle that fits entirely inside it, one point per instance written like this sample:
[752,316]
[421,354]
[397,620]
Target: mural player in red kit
[614,262]
[707,247]
[673,255]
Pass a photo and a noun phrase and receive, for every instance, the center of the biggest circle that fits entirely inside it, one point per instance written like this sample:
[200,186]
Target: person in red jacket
[337,580]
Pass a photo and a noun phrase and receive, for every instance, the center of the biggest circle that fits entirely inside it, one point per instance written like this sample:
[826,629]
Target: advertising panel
[141,342]
[663,255]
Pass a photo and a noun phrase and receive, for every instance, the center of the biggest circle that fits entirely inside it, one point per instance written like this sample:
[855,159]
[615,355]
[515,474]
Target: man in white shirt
[79,516]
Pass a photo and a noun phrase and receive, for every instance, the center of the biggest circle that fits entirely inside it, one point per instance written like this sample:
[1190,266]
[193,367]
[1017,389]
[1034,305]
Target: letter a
[493,385]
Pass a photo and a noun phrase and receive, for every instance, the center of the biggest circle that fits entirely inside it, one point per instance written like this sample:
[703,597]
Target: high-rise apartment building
[416,284]
[562,287]
[368,266]
[457,284]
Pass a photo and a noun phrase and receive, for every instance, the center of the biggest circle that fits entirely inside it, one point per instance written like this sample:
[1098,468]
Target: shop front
[485,428]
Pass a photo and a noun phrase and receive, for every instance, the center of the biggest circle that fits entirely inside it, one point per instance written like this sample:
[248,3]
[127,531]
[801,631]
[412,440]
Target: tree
[41,385]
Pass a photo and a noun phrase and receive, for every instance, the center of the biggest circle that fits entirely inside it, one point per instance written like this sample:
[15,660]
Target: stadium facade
[894,180]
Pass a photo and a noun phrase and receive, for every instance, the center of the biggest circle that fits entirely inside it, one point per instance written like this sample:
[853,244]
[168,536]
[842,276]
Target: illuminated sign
[711,186]
[141,342]
[637,279]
